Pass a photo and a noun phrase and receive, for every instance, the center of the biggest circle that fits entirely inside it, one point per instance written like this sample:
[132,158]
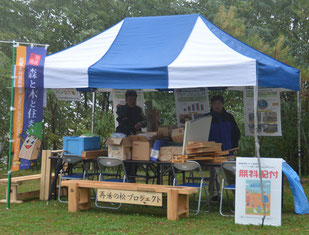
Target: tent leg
[257,147]
[299,133]
[93,112]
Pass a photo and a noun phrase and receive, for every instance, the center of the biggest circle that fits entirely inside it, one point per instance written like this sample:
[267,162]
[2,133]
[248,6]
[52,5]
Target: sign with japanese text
[28,106]
[269,115]
[191,103]
[68,94]
[130,197]
[249,197]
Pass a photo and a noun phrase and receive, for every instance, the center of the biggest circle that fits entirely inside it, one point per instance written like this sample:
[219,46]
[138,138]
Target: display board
[269,116]
[119,98]
[191,103]
[248,202]
[197,130]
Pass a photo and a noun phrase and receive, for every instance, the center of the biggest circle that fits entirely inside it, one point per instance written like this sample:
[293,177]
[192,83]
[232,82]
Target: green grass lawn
[34,217]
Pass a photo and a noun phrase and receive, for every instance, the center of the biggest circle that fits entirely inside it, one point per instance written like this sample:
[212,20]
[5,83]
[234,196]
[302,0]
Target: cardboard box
[141,145]
[164,131]
[141,150]
[167,152]
[119,148]
[177,135]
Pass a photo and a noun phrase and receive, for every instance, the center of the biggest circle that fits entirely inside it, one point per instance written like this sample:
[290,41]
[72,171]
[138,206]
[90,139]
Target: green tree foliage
[277,28]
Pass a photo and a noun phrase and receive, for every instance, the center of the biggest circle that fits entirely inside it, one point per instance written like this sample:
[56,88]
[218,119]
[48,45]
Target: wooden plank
[204,150]
[193,144]
[128,186]
[21,179]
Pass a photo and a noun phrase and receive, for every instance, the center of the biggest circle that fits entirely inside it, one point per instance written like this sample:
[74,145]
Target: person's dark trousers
[131,170]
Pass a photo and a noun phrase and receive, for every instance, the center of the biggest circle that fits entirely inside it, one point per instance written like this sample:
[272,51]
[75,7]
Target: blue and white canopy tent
[168,52]
[163,52]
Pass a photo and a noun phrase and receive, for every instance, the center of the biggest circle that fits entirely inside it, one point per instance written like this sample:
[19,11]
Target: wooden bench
[15,182]
[177,197]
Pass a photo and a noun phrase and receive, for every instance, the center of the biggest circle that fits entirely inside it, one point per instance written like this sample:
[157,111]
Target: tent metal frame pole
[299,127]
[93,112]
[11,126]
[257,144]
[24,43]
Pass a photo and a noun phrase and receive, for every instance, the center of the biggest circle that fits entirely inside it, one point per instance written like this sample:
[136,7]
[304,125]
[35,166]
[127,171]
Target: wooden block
[28,195]
[43,176]
[84,198]
[172,204]
[73,200]
[94,154]
[221,153]
[197,144]
[183,205]
[48,174]
[13,195]
[204,150]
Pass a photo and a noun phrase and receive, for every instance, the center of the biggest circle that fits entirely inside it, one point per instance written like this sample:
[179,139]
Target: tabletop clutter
[163,145]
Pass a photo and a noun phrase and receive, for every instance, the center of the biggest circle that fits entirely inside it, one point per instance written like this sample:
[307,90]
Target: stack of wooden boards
[209,151]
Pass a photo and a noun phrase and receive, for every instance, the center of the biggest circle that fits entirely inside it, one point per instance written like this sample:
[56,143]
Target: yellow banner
[19,95]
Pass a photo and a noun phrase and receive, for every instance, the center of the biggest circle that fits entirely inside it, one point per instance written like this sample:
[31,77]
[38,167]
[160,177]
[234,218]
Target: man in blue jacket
[223,130]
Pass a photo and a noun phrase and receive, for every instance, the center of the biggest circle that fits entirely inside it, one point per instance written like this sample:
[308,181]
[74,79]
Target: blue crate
[76,144]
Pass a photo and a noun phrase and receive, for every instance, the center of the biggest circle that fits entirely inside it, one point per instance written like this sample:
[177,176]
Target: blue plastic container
[76,144]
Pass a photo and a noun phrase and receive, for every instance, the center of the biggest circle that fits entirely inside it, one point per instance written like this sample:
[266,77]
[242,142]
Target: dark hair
[217,97]
[131,93]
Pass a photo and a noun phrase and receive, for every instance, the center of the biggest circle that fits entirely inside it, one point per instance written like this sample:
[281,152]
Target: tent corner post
[299,127]
[93,112]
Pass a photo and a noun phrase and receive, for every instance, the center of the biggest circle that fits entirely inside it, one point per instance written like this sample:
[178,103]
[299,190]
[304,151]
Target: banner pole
[11,126]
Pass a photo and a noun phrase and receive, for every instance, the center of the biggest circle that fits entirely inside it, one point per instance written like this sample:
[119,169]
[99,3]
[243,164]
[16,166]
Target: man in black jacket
[223,130]
[131,119]
[130,116]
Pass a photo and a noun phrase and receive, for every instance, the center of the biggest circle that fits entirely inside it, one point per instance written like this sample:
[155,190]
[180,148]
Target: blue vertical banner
[31,135]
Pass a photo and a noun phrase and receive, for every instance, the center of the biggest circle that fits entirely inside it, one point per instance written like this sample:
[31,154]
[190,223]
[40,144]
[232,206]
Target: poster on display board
[248,198]
[269,115]
[119,98]
[191,103]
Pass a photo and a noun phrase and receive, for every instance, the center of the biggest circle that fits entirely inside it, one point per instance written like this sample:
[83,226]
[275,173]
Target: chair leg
[221,198]
[106,207]
[199,200]
[207,198]
[59,191]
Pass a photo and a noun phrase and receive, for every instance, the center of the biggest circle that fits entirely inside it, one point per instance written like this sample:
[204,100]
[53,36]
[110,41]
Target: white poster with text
[248,201]
[191,103]
[269,115]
